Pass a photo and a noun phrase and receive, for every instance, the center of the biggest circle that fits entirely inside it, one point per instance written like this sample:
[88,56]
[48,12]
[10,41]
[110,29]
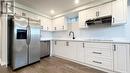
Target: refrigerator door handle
[27,40]
[29,34]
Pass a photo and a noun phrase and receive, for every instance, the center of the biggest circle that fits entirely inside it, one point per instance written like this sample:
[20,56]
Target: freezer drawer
[45,48]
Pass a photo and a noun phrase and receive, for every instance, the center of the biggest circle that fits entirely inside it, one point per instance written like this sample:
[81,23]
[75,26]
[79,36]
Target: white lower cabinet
[100,62]
[70,50]
[99,54]
[108,56]
[121,58]
[65,49]
[80,52]
[58,48]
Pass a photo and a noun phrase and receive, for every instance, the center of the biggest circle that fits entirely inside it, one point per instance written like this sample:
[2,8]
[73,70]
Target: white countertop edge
[88,40]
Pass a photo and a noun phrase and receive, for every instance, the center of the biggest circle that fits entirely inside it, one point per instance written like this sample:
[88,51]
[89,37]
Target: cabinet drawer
[100,62]
[100,52]
[98,45]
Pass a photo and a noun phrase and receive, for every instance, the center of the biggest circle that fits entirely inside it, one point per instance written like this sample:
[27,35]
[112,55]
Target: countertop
[112,40]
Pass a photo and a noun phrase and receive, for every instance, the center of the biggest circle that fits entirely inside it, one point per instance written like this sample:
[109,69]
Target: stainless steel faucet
[72,33]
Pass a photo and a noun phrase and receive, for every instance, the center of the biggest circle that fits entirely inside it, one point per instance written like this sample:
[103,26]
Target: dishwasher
[45,49]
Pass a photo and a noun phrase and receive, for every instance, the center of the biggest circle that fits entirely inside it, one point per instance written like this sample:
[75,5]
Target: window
[72,20]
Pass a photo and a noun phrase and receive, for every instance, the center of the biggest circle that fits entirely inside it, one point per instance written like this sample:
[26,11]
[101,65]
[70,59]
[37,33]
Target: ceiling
[60,6]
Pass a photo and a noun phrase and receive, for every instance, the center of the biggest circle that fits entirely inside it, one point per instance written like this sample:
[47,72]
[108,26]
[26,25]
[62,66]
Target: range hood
[101,20]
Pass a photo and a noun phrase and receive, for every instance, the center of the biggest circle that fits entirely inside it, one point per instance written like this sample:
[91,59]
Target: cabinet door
[54,26]
[92,13]
[59,24]
[105,10]
[121,58]
[42,23]
[48,24]
[80,51]
[71,50]
[82,18]
[119,12]
[62,24]
[59,48]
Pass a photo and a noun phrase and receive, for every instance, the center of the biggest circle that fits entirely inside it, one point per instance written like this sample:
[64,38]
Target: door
[34,38]
[19,42]
[92,13]
[82,19]
[105,10]
[80,51]
[59,48]
[71,50]
[121,58]
[119,12]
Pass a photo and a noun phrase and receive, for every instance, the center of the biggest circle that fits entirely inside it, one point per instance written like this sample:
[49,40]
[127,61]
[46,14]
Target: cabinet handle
[97,53]
[67,43]
[55,28]
[63,27]
[97,62]
[55,42]
[41,27]
[98,13]
[114,47]
[83,45]
[47,28]
[113,20]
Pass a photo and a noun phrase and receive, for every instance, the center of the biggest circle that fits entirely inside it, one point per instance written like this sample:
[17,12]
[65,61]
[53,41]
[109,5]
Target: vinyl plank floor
[53,65]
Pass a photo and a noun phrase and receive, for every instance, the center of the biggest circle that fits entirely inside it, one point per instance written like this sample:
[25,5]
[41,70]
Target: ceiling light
[76,1]
[52,12]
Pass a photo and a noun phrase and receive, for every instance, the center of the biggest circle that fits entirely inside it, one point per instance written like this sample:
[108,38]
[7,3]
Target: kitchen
[86,36]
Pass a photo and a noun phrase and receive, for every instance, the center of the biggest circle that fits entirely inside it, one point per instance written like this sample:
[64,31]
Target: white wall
[122,32]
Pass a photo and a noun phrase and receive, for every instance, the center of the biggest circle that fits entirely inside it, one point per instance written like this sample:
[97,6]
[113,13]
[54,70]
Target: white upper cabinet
[105,10]
[117,9]
[121,58]
[93,13]
[59,24]
[99,11]
[25,13]
[82,19]
[119,12]
[46,23]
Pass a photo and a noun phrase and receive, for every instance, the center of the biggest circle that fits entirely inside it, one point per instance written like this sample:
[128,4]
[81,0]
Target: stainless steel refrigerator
[23,41]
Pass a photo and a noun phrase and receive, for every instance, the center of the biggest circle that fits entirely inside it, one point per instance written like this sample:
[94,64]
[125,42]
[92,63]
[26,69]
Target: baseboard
[2,63]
